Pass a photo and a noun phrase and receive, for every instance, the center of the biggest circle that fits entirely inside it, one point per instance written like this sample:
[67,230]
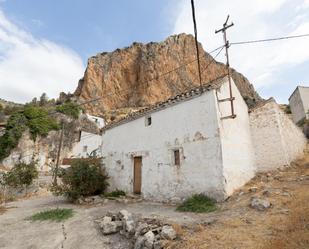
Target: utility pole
[196,43]
[227,45]
[58,153]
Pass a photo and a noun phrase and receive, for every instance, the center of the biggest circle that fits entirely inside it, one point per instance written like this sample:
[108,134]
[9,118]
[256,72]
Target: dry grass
[284,226]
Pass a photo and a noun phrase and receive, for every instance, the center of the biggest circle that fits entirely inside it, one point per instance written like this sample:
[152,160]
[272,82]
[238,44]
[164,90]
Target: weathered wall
[299,103]
[237,148]
[88,143]
[276,139]
[190,126]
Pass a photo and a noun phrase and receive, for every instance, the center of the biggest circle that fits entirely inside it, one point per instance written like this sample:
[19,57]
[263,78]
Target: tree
[43,99]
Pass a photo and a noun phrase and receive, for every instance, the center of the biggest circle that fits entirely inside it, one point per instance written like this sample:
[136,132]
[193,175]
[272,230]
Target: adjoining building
[299,103]
[277,141]
[191,144]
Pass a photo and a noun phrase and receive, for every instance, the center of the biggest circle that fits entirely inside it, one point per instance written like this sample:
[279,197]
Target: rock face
[129,77]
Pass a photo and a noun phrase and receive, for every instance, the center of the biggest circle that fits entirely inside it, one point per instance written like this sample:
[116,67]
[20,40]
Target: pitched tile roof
[190,94]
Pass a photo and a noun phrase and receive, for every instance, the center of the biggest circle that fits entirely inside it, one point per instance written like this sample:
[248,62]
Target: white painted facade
[99,121]
[89,144]
[216,155]
[299,103]
[277,140]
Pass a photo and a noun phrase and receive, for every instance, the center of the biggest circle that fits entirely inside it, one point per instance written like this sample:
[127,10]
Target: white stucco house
[190,144]
[299,103]
[183,146]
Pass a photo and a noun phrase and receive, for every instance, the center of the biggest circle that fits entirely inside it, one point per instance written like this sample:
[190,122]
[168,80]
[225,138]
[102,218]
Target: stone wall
[299,103]
[276,139]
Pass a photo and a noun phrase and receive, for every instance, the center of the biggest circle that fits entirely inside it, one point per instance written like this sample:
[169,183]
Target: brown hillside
[122,76]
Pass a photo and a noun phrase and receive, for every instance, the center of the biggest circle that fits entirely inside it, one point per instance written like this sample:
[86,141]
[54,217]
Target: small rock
[109,227]
[260,204]
[149,239]
[241,193]
[157,245]
[139,243]
[141,229]
[168,232]
[125,214]
[129,226]
[209,221]
[97,199]
[253,189]
[88,199]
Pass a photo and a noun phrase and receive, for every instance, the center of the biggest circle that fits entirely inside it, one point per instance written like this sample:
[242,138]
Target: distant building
[89,144]
[299,103]
[98,120]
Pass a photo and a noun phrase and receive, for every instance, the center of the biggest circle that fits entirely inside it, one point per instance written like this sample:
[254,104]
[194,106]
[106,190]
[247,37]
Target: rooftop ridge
[186,95]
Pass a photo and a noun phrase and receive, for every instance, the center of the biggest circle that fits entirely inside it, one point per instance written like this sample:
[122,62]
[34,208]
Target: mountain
[132,77]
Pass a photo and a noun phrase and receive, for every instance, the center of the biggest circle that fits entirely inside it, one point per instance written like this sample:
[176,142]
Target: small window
[148,121]
[85,148]
[176,157]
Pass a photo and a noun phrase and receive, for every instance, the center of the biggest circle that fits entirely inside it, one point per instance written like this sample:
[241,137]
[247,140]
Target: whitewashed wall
[235,134]
[88,143]
[276,139]
[99,121]
[191,126]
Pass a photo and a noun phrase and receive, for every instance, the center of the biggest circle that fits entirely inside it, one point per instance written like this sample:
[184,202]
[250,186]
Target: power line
[269,39]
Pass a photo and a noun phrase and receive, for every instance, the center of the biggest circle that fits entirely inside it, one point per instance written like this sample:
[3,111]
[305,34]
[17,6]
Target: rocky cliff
[132,77]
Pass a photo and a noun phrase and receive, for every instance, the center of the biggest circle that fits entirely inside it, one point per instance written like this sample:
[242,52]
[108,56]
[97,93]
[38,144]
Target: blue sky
[44,44]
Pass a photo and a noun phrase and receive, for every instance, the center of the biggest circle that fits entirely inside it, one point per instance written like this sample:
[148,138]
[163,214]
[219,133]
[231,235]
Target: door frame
[137,162]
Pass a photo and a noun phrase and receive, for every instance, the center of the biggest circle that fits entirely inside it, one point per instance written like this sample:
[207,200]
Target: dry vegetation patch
[283,226]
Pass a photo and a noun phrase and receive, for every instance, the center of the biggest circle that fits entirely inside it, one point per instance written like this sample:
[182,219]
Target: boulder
[260,204]
[109,227]
[149,239]
[168,232]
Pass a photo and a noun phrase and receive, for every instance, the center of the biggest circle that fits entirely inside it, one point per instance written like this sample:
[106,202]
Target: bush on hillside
[21,175]
[39,122]
[70,109]
[83,178]
[15,127]
[35,118]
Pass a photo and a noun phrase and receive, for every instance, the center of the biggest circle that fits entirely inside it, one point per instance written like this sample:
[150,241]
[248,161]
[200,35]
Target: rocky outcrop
[137,76]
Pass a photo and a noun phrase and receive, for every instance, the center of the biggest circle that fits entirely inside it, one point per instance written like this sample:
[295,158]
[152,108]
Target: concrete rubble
[144,233]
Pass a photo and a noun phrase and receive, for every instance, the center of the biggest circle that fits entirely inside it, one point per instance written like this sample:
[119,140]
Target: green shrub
[58,214]
[35,118]
[21,175]
[197,204]
[83,178]
[39,121]
[70,109]
[15,127]
[115,194]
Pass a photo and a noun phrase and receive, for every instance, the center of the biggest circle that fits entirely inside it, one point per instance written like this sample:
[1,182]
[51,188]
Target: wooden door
[137,184]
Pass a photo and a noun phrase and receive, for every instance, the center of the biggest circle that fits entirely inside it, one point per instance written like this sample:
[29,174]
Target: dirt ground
[284,226]
[233,225]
